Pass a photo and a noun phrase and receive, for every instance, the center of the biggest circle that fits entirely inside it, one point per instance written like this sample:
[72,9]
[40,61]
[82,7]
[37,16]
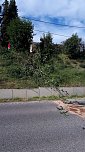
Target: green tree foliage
[12,10]
[46,47]
[72,46]
[57,49]
[5,22]
[20,34]
[9,13]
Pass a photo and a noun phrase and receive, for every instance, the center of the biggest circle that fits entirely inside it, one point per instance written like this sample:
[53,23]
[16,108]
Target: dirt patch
[72,108]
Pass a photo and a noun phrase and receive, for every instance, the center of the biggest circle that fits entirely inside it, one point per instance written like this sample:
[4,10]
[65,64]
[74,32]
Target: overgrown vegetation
[20,70]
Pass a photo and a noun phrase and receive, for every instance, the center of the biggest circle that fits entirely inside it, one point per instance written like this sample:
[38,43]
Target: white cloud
[72,11]
[54,8]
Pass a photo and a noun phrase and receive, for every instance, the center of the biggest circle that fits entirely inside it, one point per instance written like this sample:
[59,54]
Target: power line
[48,31]
[64,25]
[52,33]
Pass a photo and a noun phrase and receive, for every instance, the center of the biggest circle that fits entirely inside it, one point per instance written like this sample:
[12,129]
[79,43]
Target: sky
[66,12]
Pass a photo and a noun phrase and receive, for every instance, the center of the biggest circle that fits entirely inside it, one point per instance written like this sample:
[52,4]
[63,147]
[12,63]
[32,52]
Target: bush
[16,71]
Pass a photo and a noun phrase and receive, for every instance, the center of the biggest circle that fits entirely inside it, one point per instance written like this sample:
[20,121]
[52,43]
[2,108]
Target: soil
[72,108]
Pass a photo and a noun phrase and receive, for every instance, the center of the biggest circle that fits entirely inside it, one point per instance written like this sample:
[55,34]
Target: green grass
[43,98]
[29,99]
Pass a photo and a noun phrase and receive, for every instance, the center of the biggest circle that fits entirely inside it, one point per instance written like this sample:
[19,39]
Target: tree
[72,46]
[9,13]
[0,8]
[58,48]
[46,47]
[20,34]
[4,24]
[82,49]
[0,18]
[12,10]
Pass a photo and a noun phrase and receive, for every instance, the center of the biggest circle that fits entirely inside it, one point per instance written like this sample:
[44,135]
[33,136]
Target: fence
[41,91]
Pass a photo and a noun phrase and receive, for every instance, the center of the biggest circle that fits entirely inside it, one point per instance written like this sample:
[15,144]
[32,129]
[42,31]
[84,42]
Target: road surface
[39,127]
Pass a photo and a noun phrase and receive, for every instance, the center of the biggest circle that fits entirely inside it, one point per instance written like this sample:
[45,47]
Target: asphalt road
[39,127]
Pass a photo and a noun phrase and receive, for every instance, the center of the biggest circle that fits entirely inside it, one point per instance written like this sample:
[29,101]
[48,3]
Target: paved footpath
[39,127]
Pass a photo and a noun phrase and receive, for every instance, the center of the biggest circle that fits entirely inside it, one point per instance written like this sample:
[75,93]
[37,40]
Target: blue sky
[69,12]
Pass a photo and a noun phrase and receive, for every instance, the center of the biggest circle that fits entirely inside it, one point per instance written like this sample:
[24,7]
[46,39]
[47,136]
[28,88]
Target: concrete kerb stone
[41,91]
[6,93]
